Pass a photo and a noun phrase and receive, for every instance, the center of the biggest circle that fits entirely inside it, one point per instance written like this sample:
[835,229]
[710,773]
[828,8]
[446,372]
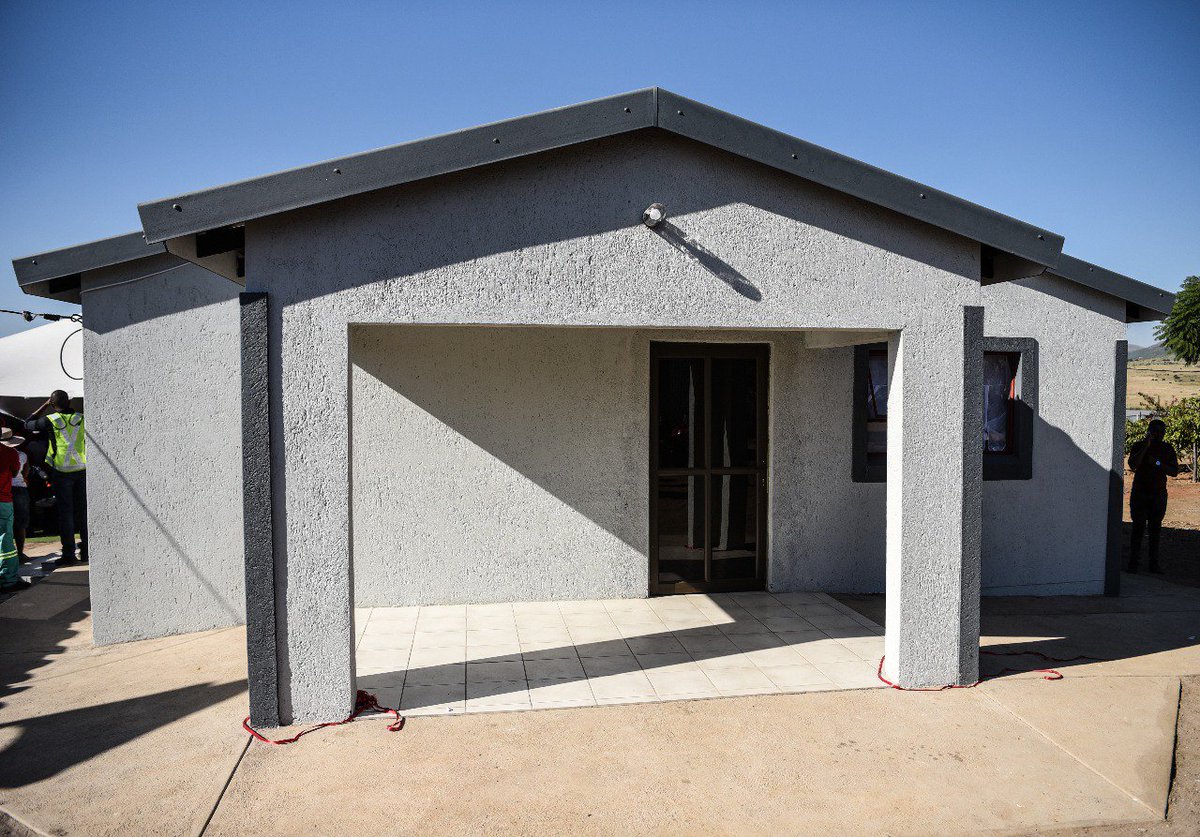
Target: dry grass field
[1166,379]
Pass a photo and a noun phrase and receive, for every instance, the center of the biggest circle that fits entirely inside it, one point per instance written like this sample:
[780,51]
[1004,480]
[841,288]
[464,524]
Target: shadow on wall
[707,259]
[575,193]
[563,408]
[1052,530]
[578,433]
[170,288]
[1049,531]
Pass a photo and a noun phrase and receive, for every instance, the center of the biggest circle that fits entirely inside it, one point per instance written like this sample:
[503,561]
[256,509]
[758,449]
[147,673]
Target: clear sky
[1080,117]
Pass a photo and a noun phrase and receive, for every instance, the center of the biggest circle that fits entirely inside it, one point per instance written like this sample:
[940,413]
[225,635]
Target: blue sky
[1080,117]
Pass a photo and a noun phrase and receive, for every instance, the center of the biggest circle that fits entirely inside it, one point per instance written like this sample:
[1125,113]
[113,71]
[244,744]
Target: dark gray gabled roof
[1142,301]
[653,107]
[68,261]
[49,274]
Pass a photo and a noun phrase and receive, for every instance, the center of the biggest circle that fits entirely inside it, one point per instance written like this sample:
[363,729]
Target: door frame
[708,351]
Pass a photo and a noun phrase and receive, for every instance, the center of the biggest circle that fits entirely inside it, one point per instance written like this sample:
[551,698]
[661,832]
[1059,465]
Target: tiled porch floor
[534,655]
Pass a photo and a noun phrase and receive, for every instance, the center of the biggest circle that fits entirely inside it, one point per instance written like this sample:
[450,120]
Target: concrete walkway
[145,738]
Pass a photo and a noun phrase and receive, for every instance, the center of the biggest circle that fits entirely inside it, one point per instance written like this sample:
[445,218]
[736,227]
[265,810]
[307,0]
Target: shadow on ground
[1096,628]
[42,626]
[1179,554]
[38,752]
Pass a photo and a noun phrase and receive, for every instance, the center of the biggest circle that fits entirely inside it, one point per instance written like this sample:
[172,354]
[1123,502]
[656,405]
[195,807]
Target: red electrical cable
[1050,673]
[363,701]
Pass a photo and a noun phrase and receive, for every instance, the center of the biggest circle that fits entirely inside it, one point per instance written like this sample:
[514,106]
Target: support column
[259,548]
[934,501]
[1116,473]
[310,429]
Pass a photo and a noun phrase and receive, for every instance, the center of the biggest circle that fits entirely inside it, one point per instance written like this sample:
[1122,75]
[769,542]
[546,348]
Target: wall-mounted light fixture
[654,215]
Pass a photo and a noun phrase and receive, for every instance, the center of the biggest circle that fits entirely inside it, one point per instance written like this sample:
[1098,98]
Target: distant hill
[1155,352]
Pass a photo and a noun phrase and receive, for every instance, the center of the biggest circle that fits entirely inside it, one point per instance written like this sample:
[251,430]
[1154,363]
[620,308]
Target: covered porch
[454,659]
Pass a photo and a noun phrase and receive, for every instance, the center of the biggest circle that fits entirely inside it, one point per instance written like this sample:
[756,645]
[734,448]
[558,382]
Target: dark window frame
[1014,464]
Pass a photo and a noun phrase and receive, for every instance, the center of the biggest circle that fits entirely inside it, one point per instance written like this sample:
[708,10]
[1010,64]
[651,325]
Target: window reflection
[735,413]
[680,529]
[877,400]
[734,526]
[681,413]
[999,390]
[999,394]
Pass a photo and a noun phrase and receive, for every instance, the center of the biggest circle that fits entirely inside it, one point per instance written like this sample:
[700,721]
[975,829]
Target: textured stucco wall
[164,450]
[1047,535]
[556,240]
[1043,536]
[498,464]
[510,464]
[830,530]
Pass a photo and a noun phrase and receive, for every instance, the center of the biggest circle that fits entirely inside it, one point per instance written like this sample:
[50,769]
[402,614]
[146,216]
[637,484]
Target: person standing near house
[21,504]
[10,465]
[1152,460]
[67,458]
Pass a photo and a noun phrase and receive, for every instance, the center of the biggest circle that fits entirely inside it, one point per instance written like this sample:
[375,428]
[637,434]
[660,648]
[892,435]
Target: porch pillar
[934,501]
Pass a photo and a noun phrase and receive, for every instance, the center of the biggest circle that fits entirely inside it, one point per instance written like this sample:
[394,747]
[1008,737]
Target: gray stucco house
[471,368]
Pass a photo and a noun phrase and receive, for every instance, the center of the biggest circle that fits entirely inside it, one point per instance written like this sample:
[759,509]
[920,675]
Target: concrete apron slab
[856,761]
[141,738]
[130,739]
[1123,728]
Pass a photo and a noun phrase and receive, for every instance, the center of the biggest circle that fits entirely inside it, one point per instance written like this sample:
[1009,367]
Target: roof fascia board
[781,151]
[31,270]
[261,196]
[1151,300]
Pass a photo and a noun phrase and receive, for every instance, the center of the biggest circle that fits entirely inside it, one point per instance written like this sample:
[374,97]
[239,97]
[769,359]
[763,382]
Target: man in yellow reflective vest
[67,458]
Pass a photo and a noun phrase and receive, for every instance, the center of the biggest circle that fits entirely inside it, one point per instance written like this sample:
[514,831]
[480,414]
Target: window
[1009,404]
[877,397]
[999,401]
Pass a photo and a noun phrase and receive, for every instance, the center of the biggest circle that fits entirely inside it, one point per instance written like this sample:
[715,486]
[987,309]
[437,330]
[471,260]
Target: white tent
[37,361]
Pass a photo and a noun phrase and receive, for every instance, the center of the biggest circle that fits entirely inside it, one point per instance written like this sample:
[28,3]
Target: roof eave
[784,152]
[259,197]
[56,274]
[246,200]
[77,258]
[1144,302]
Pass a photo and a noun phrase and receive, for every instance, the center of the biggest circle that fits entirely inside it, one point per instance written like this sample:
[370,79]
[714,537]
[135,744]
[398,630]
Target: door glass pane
[735,412]
[680,412]
[734,526]
[680,529]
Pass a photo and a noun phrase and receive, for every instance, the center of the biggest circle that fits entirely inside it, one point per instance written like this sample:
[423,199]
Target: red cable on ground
[1050,673]
[363,701]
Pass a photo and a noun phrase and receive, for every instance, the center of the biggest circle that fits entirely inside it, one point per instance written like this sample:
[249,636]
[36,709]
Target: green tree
[1179,332]
[1182,417]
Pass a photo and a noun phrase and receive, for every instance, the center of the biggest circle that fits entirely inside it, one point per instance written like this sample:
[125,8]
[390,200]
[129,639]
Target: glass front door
[708,466]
